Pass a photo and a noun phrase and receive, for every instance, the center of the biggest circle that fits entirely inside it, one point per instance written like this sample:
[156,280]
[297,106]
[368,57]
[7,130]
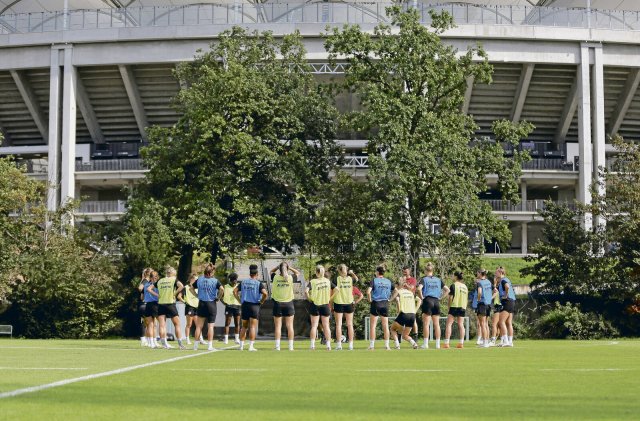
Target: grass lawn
[534,380]
[512,265]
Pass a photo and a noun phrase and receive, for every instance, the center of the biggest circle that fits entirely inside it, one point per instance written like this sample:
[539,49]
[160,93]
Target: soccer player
[168,288]
[412,284]
[252,294]
[142,306]
[231,309]
[430,291]
[458,299]
[209,290]
[403,324]
[282,296]
[378,294]
[508,301]
[319,293]
[497,309]
[344,304]
[484,291]
[190,298]
[151,307]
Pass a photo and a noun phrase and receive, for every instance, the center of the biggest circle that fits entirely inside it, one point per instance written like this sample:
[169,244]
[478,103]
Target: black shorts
[231,310]
[283,309]
[406,319]
[508,305]
[250,310]
[430,306]
[208,310]
[456,311]
[497,308]
[379,308]
[151,309]
[483,310]
[168,310]
[141,308]
[343,308]
[190,310]
[321,310]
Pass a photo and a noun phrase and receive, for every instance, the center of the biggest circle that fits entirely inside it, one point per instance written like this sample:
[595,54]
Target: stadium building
[81,80]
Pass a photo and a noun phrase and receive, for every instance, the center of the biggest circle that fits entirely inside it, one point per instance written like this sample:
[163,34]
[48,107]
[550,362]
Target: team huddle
[243,299]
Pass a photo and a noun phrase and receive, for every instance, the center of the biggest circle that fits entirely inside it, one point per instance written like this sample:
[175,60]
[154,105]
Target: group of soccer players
[243,299]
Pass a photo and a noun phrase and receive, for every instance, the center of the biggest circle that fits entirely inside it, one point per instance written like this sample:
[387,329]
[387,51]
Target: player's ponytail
[320,271]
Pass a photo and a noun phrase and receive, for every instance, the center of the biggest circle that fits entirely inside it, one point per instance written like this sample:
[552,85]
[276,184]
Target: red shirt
[412,282]
[356,291]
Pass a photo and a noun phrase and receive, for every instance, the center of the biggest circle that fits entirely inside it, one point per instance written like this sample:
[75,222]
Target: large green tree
[253,145]
[423,158]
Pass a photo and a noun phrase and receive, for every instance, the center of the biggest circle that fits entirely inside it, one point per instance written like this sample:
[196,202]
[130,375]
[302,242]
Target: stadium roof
[30,6]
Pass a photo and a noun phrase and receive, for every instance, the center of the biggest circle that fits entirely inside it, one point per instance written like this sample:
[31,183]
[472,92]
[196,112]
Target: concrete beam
[598,129]
[521,92]
[87,112]
[467,94]
[568,111]
[31,100]
[584,134]
[134,98]
[53,160]
[624,101]
[24,150]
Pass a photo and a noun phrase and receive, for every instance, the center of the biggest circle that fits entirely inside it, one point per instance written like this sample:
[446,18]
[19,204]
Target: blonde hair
[170,271]
[320,271]
[342,268]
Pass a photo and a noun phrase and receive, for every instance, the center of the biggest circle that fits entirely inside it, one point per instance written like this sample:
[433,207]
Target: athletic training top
[345,290]
[487,291]
[250,291]
[432,287]
[460,294]
[407,303]
[148,298]
[511,294]
[166,290]
[320,291]
[474,299]
[229,299]
[282,288]
[189,298]
[207,288]
[381,289]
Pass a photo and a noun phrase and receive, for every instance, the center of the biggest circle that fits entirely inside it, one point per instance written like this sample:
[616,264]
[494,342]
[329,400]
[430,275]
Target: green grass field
[534,380]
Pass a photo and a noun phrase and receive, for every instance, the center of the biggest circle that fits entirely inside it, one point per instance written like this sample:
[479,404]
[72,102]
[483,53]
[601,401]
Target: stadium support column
[524,238]
[53,159]
[584,131]
[67,172]
[598,123]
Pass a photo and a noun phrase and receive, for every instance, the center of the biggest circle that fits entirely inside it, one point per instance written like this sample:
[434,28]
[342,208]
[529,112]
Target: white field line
[410,370]
[43,368]
[32,389]
[582,369]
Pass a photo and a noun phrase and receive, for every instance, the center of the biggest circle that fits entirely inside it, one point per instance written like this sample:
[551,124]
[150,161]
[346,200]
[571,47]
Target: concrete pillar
[53,161]
[524,238]
[584,131]
[523,195]
[598,134]
[67,169]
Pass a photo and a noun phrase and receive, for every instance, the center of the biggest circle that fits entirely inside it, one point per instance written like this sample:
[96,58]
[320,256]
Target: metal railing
[355,161]
[526,206]
[111,165]
[549,164]
[102,206]
[314,13]
[34,166]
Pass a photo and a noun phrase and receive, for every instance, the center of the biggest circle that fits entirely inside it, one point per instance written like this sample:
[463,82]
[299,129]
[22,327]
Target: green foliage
[424,167]
[569,321]
[253,145]
[513,266]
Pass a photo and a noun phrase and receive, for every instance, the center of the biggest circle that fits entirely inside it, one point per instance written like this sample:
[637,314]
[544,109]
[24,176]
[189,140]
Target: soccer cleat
[339,348]
[276,348]
[180,346]
[445,346]
[479,342]
[236,341]
[252,349]
[167,346]
[396,347]
[424,346]
[459,346]
[387,348]
[313,348]
[370,348]
[226,341]
[350,348]
[291,348]
[188,341]
[415,346]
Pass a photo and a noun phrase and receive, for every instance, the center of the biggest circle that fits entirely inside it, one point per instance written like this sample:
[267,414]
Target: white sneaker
[167,346]
[479,342]
[277,348]
[396,346]
[312,348]
[188,341]
[236,341]
[387,348]
[211,348]
[487,345]
[370,348]
[226,341]
[291,348]
[350,348]
[424,346]
[339,348]
[252,349]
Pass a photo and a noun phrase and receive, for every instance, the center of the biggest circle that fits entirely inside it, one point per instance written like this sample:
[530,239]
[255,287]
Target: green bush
[569,321]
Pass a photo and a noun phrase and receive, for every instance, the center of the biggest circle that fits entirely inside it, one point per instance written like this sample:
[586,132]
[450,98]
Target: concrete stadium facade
[78,87]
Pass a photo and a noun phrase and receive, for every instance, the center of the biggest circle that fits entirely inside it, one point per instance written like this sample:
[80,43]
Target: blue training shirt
[250,291]
[487,290]
[381,289]
[474,301]
[432,287]
[148,297]
[511,294]
[207,288]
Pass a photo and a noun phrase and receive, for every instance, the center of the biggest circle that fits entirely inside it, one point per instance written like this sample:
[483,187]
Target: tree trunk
[185,263]
[215,251]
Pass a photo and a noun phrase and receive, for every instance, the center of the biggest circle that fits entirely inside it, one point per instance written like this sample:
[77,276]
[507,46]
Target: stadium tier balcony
[101,210]
[103,165]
